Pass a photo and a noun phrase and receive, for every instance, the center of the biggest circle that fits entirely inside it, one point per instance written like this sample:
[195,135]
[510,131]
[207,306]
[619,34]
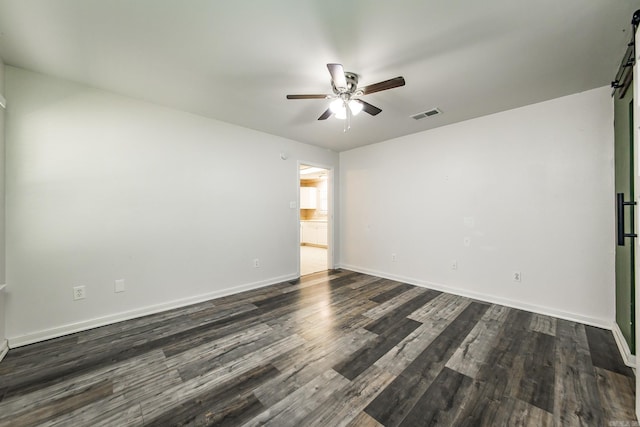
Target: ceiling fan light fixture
[337,106]
[346,95]
[355,107]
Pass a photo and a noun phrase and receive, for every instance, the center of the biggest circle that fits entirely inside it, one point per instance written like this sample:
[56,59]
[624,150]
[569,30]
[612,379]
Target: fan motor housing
[352,83]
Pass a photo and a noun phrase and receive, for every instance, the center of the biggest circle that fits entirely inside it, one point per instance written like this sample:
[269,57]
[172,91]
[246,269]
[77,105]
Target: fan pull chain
[347,122]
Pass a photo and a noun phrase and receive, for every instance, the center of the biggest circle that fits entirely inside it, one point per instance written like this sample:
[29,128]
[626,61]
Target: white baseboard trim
[4,349]
[4,344]
[629,359]
[84,325]
[574,317]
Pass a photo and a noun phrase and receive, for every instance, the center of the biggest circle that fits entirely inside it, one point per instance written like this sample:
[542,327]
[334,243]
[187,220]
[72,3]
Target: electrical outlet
[119,285]
[256,263]
[466,241]
[78,292]
[517,276]
[394,258]
[454,265]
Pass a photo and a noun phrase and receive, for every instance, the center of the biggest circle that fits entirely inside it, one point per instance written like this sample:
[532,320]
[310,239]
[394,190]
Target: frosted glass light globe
[355,107]
[337,106]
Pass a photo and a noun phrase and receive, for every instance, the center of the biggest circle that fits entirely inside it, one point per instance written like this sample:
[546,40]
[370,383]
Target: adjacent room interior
[318,213]
[314,219]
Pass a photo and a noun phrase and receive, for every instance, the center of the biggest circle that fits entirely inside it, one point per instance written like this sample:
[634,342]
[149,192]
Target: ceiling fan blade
[326,114]
[371,109]
[337,75]
[387,84]
[307,96]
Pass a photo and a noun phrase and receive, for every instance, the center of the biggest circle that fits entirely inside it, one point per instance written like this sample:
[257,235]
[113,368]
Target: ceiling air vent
[428,113]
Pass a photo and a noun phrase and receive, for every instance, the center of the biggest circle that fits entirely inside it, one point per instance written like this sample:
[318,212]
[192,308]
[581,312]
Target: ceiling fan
[346,94]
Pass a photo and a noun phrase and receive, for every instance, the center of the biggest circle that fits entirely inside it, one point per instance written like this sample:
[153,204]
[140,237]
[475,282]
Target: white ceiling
[235,60]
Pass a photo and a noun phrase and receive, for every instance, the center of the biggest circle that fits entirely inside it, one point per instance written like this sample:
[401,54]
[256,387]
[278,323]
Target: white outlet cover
[79,292]
[119,285]
[517,276]
[292,205]
[454,265]
[466,241]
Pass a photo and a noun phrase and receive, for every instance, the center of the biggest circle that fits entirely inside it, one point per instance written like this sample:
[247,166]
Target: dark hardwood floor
[334,348]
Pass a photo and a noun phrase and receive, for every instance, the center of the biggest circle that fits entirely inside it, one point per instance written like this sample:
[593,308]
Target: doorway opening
[315,217]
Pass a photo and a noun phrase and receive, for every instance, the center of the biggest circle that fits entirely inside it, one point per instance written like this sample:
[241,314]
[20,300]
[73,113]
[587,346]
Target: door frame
[330,211]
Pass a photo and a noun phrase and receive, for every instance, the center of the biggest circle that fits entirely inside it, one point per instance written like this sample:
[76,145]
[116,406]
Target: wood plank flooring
[336,348]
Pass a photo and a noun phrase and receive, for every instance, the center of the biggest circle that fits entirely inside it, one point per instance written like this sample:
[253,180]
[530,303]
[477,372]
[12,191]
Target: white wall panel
[102,187]
[531,188]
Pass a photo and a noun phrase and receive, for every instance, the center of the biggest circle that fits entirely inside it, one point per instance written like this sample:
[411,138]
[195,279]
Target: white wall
[2,178]
[3,340]
[537,182]
[102,187]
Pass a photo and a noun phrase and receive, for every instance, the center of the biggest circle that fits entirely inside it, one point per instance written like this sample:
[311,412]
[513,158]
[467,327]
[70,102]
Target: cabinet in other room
[314,233]
[322,231]
[308,197]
